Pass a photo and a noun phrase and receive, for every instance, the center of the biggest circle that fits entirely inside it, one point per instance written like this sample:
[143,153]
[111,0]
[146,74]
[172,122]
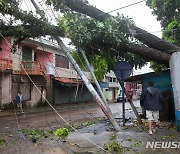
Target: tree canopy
[168,13]
[117,38]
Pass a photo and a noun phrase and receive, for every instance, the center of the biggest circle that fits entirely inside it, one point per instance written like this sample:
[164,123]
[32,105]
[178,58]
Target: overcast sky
[140,13]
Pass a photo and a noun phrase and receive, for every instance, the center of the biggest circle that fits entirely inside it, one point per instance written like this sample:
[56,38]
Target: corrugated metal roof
[68,81]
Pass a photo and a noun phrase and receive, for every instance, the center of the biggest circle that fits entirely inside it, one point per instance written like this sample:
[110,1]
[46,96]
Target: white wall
[6,88]
[175,77]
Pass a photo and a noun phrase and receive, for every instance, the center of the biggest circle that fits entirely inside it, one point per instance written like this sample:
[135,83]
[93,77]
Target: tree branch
[150,40]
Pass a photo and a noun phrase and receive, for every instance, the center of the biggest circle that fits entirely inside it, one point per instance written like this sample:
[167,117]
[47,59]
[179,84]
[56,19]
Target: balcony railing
[32,68]
[5,64]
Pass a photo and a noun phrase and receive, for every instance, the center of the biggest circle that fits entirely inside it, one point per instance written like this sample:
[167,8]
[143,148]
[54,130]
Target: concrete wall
[16,58]
[6,48]
[36,95]
[175,70]
[69,73]
[5,84]
[31,95]
[44,57]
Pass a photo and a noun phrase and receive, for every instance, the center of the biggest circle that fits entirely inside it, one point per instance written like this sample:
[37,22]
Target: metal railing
[32,68]
[5,64]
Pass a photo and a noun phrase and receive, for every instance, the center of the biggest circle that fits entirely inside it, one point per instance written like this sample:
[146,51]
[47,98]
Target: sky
[139,13]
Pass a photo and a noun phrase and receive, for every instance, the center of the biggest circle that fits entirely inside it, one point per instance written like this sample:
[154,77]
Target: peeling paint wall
[5,84]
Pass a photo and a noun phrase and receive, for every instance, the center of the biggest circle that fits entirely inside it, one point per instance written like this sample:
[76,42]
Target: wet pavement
[44,117]
[90,139]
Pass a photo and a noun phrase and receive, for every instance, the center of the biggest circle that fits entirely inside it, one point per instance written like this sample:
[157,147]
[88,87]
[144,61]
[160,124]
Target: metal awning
[68,81]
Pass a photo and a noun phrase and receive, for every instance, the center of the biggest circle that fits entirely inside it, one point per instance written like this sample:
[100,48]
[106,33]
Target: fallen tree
[152,48]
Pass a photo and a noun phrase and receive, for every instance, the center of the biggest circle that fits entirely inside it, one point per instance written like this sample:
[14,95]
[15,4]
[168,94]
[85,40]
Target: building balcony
[32,68]
[5,64]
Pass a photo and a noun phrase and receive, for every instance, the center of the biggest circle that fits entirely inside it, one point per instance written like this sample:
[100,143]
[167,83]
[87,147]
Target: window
[62,61]
[114,79]
[26,53]
[110,79]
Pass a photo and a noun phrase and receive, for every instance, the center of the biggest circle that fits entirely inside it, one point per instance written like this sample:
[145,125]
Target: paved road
[45,117]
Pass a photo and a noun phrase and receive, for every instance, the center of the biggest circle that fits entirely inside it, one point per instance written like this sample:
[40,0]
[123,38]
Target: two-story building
[40,70]
[5,71]
[112,89]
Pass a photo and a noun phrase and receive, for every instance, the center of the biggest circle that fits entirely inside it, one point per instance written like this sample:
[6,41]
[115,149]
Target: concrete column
[175,77]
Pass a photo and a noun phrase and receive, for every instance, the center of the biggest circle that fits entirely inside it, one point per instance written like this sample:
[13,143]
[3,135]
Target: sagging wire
[77,87]
[17,121]
[61,116]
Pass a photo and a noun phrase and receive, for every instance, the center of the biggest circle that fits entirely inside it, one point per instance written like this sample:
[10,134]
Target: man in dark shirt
[19,101]
[151,99]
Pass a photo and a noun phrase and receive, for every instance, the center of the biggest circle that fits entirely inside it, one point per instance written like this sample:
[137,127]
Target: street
[88,138]
[44,117]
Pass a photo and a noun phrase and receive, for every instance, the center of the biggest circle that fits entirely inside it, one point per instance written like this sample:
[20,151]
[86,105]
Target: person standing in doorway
[19,101]
[152,101]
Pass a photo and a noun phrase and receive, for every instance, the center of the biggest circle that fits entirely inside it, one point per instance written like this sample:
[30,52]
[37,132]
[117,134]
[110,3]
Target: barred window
[62,61]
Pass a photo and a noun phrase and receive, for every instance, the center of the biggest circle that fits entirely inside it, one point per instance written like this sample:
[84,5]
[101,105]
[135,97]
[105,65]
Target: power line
[58,112]
[125,6]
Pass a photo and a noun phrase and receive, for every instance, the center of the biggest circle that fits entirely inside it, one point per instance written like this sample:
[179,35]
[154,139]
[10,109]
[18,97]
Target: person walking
[19,101]
[151,99]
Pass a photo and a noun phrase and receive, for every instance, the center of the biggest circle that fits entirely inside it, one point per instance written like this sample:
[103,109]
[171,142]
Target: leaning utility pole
[83,77]
[95,80]
[88,85]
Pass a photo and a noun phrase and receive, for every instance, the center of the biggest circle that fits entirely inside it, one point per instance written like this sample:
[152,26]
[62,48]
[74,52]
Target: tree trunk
[150,40]
[147,53]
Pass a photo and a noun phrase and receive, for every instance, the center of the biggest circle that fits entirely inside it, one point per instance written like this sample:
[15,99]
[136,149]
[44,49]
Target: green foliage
[62,132]
[28,22]
[79,59]
[34,135]
[168,13]
[99,63]
[100,66]
[101,38]
[82,29]
[85,32]
[158,67]
[172,32]
[165,10]
[2,141]
[113,147]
